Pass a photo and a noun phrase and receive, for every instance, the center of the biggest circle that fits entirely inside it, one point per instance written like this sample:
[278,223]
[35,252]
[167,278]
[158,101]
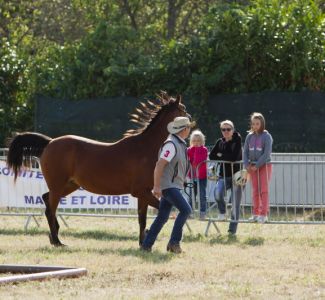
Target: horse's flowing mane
[147,114]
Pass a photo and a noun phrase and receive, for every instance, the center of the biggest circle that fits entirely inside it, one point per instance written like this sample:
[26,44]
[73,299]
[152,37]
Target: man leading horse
[169,176]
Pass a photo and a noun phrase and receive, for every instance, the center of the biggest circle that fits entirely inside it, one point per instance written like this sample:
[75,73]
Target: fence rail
[296,192]
[297,195]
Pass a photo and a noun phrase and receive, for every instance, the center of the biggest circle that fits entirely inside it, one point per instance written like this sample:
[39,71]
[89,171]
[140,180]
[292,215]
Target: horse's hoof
[59,245]
[145,233]
[51,239]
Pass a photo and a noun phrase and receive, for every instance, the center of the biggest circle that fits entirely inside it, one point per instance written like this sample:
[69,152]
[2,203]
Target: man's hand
[157,174]
[156,191]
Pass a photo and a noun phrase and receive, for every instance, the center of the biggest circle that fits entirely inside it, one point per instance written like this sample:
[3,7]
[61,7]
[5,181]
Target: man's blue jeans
[224,184]
[170,197]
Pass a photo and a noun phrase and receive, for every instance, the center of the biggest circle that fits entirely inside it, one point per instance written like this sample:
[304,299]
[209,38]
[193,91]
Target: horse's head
[176,108]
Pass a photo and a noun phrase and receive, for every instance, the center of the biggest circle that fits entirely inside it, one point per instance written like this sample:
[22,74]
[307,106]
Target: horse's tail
[23,147]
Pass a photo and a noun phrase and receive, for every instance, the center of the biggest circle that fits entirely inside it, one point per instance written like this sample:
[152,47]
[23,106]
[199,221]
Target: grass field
[264,261]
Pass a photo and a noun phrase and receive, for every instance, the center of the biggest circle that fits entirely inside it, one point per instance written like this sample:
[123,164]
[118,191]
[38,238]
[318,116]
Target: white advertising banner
[30,185]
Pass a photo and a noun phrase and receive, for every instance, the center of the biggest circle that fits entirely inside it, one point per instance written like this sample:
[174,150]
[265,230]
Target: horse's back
[69,149]
[98,167]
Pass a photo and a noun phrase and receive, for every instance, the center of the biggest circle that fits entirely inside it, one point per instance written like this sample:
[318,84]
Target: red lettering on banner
[166,153]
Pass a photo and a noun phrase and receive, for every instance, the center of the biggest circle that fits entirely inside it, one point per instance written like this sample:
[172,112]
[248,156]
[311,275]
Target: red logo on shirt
[166,153]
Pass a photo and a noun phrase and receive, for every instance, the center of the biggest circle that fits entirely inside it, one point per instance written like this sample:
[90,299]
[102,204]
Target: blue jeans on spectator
[203,193]
[224,184]
[170,197]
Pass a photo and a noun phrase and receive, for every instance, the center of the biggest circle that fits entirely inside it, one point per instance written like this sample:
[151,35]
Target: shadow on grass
[232,239]
[193,238]
[254,241]
[154,257]
[225,240]
[59,250]
[33,231]
[100,235]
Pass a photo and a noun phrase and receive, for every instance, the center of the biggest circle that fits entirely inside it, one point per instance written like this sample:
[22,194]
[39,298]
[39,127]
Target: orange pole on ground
[38,273]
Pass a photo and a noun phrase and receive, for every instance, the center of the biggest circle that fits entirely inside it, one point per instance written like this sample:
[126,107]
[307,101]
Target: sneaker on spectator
[232,235]
[262,219]
[221,217]
[202,215]
[253,218]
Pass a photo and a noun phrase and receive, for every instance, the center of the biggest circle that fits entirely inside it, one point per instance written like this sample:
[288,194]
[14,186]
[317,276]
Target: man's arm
[160,165]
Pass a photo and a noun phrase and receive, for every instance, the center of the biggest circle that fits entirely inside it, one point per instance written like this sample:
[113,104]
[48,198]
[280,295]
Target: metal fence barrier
[296,191]
[297,195]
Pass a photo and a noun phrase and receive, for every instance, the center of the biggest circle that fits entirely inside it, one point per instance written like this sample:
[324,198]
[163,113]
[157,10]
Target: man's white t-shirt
[168,151]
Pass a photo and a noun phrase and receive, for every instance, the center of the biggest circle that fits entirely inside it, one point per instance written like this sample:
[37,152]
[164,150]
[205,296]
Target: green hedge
[267,45]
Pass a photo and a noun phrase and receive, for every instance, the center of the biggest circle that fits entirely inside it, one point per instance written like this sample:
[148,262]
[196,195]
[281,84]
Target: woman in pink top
[197,153]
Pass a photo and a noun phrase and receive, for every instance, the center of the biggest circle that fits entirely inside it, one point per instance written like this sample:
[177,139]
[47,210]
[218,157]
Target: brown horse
[126,166]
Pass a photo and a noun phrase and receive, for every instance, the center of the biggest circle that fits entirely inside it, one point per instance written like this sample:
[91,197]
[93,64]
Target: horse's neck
[157,134]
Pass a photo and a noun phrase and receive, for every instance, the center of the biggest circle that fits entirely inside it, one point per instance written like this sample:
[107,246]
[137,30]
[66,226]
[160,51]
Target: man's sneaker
[145,249]
[221,217]
[174,248]
[262,219]
[253,218]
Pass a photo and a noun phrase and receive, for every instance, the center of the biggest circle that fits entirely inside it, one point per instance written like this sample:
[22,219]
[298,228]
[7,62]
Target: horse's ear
[178,99]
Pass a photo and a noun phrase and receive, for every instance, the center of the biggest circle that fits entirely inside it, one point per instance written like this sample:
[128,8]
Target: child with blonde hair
[198,153]
[257,158]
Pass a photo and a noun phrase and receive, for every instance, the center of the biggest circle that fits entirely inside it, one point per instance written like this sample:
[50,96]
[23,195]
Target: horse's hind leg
[45,198]
[51,201]
[51,206]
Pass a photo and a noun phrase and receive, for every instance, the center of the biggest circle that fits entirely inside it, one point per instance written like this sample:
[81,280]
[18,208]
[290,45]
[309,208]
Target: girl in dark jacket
[228,148]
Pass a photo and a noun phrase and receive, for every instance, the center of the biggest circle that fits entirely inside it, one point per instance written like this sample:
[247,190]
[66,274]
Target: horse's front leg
[142,216]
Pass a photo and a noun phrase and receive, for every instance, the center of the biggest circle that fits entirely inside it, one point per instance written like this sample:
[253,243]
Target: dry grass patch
[269,261]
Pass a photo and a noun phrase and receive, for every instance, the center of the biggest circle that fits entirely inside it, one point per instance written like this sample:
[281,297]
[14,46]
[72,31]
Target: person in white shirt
[169,176]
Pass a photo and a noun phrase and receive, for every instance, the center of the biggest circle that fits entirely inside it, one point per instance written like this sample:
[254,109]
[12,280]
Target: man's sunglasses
[226,129]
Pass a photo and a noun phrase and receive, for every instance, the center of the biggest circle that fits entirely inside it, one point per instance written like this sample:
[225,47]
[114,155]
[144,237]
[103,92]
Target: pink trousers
[260,180]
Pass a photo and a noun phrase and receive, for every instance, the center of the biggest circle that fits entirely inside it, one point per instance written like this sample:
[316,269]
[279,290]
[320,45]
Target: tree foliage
[88,49]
